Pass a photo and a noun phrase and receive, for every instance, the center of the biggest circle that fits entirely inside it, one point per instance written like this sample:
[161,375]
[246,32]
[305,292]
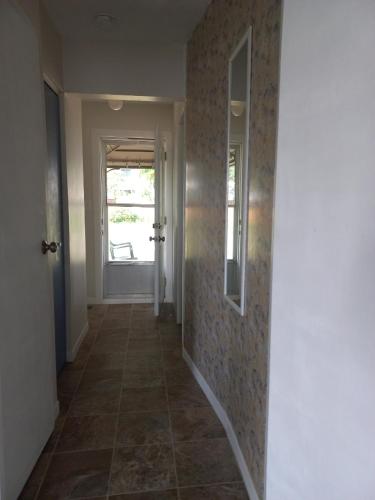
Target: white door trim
[99,136]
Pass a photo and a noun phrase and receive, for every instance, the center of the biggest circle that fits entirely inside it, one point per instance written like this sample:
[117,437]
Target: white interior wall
[129,69]
[50,42]
[76,252]
[322,369]
[98,120]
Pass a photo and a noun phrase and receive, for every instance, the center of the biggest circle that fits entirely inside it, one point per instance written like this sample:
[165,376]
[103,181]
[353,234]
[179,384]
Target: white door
[159,233]
[27,359]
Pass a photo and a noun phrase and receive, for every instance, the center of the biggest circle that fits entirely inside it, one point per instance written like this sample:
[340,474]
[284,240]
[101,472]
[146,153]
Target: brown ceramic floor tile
[147,378]
[145,315]
[142,468]
[179,376]
[137,364]
[75,475]
[205,462]
[195,424]
[145,356]
[55,436]
[119,307]
[95,404]
[146,399]
[142,324]
[79,363]
[234,491]
[143,307]
[186,396]
[98,381]
[87,343]
[173,358]
[149,495]
[115,323]
[67,381]
[119,315]
[64,402]
[106,361]
[92,498]
[170,327]
[33,483]
[170,341]
[88,433]
[144,334]
[113,334]
[143,428]
[111,341]
[144,345]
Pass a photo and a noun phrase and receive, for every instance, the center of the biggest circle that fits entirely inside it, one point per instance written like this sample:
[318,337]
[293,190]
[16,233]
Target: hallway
[133,419]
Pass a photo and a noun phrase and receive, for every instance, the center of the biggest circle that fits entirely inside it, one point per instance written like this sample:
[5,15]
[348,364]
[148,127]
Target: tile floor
[134,424]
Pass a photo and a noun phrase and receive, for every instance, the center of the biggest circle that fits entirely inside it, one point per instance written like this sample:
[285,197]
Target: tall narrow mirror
[237,174]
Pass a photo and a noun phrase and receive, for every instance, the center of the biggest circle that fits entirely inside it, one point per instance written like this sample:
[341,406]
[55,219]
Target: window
[234,203]
[129,203]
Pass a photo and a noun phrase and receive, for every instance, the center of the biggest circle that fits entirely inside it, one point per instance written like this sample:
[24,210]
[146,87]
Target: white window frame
[104,211]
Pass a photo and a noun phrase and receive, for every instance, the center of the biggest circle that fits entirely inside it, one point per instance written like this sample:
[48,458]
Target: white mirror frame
[245,176]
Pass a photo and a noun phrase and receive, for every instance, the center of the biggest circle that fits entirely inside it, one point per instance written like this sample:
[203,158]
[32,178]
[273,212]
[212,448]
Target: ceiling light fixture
[237,108]
[115,105]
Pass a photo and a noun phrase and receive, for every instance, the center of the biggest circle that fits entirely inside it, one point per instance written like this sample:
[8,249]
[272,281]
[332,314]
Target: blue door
[55,221]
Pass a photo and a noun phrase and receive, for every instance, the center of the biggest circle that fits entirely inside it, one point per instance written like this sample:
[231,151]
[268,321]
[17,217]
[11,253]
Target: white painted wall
[118,68]
[77,304]
[99,120]
[50,42]
[322,399]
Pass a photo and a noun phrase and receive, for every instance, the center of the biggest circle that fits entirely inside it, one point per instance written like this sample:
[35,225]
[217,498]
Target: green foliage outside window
[124,216]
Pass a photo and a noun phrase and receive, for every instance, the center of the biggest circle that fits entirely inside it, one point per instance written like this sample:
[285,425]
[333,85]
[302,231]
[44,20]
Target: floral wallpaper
[231,351]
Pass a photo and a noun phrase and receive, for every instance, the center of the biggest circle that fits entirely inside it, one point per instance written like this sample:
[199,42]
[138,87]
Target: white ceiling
[158,21]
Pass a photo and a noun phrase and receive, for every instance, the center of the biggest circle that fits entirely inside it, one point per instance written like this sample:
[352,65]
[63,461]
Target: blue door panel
[55,220]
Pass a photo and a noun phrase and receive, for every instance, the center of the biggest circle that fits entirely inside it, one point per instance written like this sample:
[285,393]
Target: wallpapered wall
[230,351]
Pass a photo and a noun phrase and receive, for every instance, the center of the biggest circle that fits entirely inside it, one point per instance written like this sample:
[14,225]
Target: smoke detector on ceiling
[104,21]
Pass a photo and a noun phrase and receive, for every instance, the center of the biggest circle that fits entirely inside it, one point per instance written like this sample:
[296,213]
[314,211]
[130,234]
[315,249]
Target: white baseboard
[72,353]
[128,299]
[223,417]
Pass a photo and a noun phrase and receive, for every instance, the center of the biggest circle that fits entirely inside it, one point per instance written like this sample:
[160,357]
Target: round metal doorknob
[152,238]
[52,247]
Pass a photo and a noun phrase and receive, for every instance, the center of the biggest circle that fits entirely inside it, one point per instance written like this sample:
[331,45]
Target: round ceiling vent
[104,21]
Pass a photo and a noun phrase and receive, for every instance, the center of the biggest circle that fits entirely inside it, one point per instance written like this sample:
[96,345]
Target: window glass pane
[129,230]
[130,185]
[230,233]
[232,178]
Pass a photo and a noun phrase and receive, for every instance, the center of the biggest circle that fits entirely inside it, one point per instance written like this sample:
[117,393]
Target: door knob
[52,247]
[158,238]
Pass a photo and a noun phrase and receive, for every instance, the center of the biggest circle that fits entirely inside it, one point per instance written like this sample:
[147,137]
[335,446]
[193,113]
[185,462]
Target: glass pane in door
[129,229]
[130,185]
